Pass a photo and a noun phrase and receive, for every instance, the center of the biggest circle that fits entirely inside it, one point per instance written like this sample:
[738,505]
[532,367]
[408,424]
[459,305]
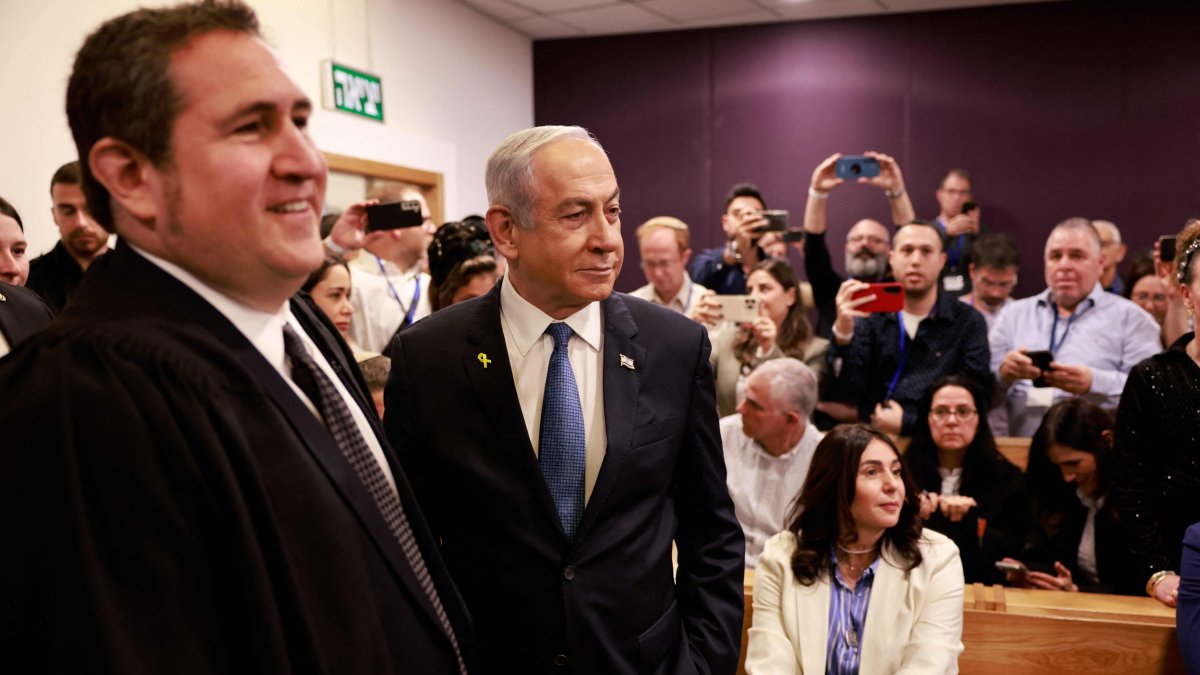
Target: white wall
[455,84]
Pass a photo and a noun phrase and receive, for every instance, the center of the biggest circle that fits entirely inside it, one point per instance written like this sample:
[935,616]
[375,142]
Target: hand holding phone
[1041,360]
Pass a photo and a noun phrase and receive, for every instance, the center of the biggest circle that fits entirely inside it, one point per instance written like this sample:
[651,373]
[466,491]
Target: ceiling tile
[740,19]
[828,9]
[696,10]
[923,5]
[500,10]
[623,18]
[545,27]
[558,6]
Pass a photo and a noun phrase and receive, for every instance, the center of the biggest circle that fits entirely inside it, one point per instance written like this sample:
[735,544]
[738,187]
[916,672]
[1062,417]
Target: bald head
[867,246]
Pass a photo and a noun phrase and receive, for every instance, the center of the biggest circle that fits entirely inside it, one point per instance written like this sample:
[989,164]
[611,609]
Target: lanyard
[412,306]
[1055,343]
[903,356]
[952,254]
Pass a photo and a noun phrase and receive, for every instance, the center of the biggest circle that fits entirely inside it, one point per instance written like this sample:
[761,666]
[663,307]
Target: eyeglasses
[963,414]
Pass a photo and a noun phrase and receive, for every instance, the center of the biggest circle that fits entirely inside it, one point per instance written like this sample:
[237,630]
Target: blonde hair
[682,236]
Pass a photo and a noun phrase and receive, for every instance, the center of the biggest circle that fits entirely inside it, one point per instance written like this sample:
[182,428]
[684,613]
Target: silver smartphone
[738,308]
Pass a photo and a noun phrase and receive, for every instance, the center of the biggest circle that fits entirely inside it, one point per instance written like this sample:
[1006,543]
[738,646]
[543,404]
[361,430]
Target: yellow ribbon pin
[483,358]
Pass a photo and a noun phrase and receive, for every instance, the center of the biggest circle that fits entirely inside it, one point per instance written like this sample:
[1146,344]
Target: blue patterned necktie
[562,446]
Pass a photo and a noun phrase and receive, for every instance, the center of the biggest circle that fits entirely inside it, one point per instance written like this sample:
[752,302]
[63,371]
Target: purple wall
[1056,109]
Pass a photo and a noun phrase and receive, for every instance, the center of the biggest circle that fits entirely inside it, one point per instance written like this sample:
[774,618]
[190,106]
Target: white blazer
[913,625]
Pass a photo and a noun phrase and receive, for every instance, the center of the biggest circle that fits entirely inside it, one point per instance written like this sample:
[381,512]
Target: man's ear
[130,177]
[504,230]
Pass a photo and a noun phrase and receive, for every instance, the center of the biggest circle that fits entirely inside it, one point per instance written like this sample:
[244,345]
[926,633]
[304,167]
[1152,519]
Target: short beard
[872,268]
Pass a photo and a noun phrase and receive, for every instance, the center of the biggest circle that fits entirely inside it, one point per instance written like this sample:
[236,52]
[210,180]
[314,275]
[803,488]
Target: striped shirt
[847,618]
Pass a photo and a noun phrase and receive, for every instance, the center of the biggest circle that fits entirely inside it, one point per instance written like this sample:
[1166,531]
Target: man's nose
[296,157]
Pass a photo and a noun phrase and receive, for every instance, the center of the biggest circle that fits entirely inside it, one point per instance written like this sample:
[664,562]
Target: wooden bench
[1019,631]
[1013,448]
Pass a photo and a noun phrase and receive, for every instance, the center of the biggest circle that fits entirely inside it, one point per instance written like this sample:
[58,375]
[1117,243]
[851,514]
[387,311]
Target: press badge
[1039,397]
[953,283]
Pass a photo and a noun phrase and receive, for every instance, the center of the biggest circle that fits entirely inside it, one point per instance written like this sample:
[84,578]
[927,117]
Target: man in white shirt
[561,437]
[389,290]
[191,465]
[664,247]
[769,444]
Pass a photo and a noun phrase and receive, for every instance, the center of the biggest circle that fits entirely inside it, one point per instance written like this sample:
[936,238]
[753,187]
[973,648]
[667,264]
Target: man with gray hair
[1114,252]
[1094,337]
[769,444]
[583,441]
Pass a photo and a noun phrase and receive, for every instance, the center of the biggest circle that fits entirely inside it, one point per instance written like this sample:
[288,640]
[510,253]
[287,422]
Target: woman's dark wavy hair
[315,278]
[820,516]
[922,451]
[796,331]
[1078,424]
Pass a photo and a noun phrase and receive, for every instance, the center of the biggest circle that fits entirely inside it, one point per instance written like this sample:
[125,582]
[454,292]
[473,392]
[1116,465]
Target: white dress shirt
[1085,557]
[684,301]
[529,350]
[264,330]
[762,485]
[378,312]
[4,346]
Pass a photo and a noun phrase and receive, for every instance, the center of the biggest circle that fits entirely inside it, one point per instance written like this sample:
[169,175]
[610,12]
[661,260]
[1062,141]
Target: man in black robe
[193,479]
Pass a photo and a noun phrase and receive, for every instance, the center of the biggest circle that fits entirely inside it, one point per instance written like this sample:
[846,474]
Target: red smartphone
[889,297]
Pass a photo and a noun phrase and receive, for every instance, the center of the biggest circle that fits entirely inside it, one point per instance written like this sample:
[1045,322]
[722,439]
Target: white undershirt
[1085,557]
[529,350]
[911,322]
[264,330]
[951,481]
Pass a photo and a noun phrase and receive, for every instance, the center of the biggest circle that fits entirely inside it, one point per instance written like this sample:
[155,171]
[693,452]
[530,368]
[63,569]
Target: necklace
[860,551]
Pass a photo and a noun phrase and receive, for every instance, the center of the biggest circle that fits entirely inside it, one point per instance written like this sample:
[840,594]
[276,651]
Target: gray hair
[1081,224]
[793,384]
[509,174]
[1110,227]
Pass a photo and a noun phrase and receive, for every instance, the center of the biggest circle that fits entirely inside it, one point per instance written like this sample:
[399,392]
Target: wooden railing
[1014,448]
[1019,631]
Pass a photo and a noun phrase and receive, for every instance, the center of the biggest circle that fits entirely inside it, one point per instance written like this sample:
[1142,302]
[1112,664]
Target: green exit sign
[353,91]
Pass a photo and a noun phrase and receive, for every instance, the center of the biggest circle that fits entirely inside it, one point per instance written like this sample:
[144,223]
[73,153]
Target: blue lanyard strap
[412,306]
[1056,343]
[903,356]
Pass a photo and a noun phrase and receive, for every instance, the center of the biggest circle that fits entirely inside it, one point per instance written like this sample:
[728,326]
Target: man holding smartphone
[1094,337]
[724,269]
[885,362]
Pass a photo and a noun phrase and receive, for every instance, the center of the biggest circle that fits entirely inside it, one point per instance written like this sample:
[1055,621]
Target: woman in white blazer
[855,586]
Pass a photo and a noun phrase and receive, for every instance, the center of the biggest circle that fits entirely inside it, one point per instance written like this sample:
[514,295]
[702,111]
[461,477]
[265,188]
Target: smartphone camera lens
[856,169]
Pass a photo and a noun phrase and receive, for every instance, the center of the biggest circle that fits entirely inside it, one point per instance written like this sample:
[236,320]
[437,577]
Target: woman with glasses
[855,585]
[970,492]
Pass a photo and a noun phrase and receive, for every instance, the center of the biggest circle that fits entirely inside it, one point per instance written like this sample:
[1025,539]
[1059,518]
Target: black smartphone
[969,207]
[1166,248]
[793,236]
[394,216]
[1041,360]
[856,166]
[777,221]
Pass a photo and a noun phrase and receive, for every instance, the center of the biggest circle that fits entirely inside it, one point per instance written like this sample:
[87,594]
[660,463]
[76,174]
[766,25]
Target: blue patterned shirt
[847,618]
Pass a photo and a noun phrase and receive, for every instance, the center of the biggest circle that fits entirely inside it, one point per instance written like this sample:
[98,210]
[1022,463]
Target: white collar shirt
[264,330]
[529,349]
[762,485]
[381,294]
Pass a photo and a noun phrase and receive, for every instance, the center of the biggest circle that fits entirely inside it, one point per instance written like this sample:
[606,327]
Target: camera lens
[856,168]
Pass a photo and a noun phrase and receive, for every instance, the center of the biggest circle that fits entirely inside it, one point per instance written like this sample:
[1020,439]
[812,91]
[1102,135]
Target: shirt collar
[1097,296]
[263,329]
[680,297]
[867,575]
[528,323]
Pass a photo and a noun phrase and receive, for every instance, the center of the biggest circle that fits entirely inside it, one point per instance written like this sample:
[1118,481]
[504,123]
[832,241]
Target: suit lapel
[497,393]
[128,274]
[812,618]
[620,367]
[887,596]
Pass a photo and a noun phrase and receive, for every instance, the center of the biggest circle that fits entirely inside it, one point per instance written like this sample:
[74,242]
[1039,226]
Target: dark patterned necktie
[562,447]
[324,395]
